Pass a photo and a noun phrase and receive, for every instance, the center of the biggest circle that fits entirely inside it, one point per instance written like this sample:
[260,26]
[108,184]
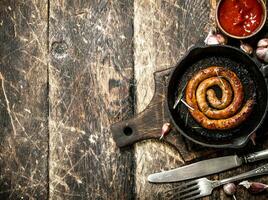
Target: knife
[205,167]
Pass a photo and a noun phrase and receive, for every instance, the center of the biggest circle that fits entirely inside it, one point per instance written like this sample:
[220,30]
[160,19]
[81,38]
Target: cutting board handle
[143,126]
[148,123]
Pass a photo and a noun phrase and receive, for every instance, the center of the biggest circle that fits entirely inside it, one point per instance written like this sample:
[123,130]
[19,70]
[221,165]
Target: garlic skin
[246,184]
[211,39]
[215,38]
[262,50]
[254,187]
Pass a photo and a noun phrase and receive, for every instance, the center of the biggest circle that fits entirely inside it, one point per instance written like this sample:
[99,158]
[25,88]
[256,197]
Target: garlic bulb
[262,49]
[215,38]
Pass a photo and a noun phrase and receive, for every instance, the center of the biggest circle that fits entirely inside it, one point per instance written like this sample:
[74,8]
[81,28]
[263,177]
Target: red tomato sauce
[240,17]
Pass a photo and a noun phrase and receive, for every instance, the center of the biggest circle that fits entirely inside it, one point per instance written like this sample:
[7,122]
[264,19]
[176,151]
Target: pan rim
[232,144]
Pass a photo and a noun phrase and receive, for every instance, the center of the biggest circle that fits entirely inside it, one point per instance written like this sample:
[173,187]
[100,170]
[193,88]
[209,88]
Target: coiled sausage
[217,114]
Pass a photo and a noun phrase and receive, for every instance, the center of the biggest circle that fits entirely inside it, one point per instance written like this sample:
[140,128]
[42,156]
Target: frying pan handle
[239,142]
[264,70]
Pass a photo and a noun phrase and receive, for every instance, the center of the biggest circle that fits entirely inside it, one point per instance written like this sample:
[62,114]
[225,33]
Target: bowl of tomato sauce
[241,19]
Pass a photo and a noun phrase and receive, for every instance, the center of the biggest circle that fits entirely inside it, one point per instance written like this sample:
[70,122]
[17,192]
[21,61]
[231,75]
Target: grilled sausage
[217,114]
[226,99]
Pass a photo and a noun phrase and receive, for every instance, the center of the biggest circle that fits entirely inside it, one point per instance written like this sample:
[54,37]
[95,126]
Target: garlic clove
[263,42]
[254,187]
[221,39]
[229,188]
[257,187]
[215,38]
[262,50]
[262,53]
[166,128]
[246,48]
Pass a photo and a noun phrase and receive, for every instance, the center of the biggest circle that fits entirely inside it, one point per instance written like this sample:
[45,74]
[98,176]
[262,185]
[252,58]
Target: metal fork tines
[193,190]
[203,187]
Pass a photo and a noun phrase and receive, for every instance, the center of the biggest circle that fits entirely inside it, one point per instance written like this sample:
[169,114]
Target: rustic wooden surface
[68,70]
[90,75]
[23,100]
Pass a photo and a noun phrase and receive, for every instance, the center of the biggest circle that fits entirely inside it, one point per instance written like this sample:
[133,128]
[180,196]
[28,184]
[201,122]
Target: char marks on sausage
[210,111]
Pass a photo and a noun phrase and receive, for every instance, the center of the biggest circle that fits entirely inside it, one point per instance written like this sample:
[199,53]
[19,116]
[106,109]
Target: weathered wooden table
[69,69]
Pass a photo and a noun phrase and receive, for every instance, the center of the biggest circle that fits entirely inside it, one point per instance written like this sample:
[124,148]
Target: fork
[203,187]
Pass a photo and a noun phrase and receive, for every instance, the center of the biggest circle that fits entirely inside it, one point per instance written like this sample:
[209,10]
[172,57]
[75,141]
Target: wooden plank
[91,75]
[23,100]
[163,31]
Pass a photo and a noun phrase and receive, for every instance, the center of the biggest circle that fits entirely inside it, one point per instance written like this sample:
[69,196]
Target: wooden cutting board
[148,124]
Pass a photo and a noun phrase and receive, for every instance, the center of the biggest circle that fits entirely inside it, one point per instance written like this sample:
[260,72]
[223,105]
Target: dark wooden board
[23,100]
[90,76]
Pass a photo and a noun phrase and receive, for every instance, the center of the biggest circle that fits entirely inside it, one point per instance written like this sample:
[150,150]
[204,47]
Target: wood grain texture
[91,75]
[55,138]
[163,31]
[23,100]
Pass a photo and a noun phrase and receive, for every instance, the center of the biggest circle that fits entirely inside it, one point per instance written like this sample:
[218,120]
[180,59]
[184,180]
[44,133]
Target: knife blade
[205,167]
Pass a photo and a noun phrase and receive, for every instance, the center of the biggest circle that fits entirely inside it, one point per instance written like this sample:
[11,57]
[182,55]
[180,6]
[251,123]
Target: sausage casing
[217,114]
